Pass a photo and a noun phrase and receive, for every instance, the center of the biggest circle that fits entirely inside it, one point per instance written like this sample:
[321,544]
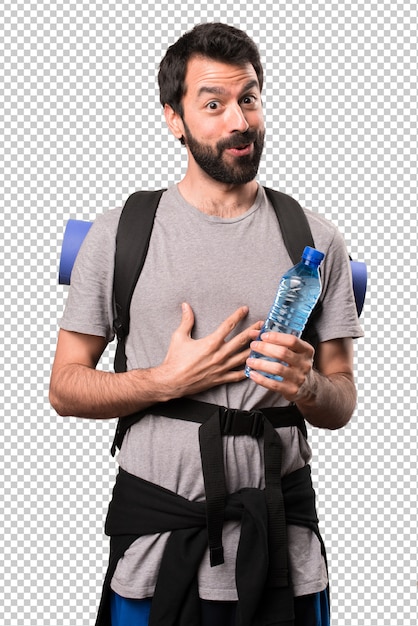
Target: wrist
[327,401]
[307,394]
[152,385]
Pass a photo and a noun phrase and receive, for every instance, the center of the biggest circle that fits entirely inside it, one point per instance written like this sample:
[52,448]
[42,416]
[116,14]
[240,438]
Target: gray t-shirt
[216,265]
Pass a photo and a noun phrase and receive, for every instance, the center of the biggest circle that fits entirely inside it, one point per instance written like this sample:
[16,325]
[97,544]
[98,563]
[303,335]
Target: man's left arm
[320,382]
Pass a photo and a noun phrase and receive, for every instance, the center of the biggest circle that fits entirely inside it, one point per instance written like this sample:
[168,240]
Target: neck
[219,199]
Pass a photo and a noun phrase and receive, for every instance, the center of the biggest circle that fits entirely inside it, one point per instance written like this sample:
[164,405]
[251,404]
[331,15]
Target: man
[209,278]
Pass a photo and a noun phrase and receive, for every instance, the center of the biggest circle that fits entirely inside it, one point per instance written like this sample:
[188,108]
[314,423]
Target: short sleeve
[89,308]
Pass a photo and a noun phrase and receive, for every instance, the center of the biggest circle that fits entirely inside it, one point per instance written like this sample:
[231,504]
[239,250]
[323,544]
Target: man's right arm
[190,366]
[77,388]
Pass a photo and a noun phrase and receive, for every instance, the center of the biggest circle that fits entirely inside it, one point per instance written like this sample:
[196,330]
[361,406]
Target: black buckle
[236,422]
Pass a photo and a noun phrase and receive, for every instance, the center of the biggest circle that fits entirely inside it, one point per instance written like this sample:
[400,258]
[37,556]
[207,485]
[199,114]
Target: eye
[213,105]
[249,100]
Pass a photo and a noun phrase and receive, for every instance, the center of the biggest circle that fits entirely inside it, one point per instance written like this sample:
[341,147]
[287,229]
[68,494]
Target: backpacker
[132,241]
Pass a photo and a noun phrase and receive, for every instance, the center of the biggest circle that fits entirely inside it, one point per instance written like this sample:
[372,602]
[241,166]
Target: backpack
[132,242]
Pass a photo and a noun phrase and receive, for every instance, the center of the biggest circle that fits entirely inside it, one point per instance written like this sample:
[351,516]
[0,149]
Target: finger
[237,359]
[256,327]
[293,343]
[274,368]
[254,333]
[231,322]
[274,384]
[242,340]
[273,351]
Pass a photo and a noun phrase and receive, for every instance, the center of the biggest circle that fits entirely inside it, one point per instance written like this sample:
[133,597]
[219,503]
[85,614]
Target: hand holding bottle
[284,362]
[298,292]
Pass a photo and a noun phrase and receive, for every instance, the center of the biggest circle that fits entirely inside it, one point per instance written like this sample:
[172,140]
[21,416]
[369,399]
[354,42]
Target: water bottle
[298,292]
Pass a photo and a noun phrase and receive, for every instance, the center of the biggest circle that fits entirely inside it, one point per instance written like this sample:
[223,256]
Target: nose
[237,120]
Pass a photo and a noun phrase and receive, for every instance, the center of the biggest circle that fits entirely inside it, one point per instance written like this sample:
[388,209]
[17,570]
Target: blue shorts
[312,610]
[127,612]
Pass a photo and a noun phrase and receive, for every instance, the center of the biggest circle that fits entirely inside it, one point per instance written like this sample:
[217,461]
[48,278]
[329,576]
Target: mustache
[240,139]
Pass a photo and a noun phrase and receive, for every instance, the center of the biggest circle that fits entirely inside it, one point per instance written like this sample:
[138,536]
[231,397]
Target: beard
[212,162]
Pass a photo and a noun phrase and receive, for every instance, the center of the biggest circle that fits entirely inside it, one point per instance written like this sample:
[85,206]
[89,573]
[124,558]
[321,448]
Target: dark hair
[213,40]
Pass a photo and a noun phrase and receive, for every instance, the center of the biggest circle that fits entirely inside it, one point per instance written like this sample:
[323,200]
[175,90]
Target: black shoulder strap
[132,242]
[293,222]
[296,234]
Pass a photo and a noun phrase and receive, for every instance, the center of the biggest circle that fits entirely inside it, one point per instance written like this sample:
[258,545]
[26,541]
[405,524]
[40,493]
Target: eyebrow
[220,91]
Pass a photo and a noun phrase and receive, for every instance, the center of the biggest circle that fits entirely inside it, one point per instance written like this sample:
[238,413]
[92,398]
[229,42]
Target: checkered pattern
[80,129]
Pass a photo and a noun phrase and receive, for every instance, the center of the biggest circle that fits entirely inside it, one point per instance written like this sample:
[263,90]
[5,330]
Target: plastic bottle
[298,292]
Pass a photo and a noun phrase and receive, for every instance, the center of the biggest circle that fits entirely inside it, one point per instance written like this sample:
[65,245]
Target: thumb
[187,319]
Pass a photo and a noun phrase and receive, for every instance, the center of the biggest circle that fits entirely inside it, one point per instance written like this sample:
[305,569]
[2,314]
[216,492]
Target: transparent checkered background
[80,129]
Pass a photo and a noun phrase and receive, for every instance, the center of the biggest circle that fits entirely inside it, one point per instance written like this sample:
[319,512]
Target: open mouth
[241,150]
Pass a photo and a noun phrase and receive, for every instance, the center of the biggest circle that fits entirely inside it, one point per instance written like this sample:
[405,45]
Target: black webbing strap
[277,531]
[132,242]
[233,421]
[293,222]
[211,454]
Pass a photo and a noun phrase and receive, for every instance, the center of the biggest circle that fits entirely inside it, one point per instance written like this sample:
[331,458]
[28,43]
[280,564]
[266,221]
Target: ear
[174,121]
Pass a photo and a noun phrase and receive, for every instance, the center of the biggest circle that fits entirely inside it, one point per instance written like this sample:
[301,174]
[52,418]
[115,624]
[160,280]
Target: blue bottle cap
[312,255]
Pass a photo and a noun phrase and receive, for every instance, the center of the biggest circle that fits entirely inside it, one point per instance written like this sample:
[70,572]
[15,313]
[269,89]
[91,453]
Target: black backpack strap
[132,241]
[293,222]
[296,234]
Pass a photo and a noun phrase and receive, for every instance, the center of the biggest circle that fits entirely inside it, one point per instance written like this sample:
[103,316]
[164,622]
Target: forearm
[85,392]
[327,401]
[190,366]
